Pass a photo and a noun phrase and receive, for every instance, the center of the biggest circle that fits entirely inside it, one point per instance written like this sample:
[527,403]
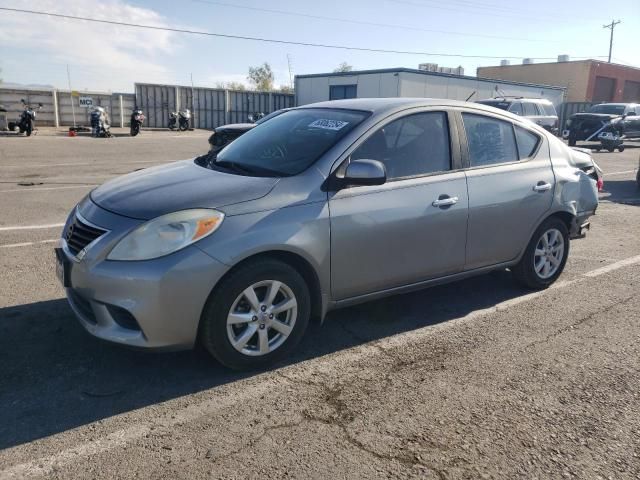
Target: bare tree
[343,67]
[285,89]
[261,77]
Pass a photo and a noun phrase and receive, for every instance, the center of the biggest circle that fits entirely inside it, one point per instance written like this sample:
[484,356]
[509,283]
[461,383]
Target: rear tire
[540,264]
[229,315]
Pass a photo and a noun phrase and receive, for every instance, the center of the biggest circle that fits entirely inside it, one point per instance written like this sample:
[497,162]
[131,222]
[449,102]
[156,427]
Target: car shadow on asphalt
[621,191]
[55,377]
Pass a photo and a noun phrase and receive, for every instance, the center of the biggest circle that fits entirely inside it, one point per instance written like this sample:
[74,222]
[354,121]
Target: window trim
[455,146]
[464,143]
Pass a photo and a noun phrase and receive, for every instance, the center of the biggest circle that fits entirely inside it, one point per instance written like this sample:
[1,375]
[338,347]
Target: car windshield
[269,117]
[289,143]
[608,109]
[501,104]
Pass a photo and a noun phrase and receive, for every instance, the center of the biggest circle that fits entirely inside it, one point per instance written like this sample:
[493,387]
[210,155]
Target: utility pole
[611,26]
[73,110]
[290,74]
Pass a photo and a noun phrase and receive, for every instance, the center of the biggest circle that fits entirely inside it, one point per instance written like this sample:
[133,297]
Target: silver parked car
[324,206]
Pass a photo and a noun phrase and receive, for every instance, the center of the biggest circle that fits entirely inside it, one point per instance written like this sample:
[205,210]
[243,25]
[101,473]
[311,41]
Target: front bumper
[153,304]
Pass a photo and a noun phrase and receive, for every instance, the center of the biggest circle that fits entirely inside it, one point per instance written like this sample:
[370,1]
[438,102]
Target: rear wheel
[256,316]
[545,257]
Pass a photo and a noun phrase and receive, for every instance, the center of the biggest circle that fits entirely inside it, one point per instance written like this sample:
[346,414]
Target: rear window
[529,109]
[608,109]
[527,142]
[549,109]
[291,142]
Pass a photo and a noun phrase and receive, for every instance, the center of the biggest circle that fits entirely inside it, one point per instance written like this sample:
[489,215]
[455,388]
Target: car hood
[155,191]
[235,127]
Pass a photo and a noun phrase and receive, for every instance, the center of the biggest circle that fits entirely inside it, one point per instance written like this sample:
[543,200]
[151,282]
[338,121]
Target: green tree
[285,89]
[239,86]
[343,67]
[261,77]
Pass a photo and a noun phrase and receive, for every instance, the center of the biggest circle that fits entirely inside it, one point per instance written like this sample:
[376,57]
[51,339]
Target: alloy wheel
[548,254]
[262,317]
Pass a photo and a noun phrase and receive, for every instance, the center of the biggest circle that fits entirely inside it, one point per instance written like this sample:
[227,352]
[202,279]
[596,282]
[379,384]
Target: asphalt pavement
[476,379]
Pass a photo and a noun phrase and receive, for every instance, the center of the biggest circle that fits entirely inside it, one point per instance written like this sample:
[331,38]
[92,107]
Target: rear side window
[414,145]
[529,109]
[527,142]
[490,141]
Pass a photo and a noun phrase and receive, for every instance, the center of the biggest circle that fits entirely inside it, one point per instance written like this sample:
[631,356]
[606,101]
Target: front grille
[79,235]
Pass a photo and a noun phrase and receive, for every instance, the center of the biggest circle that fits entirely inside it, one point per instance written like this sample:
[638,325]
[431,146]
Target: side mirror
[365,172]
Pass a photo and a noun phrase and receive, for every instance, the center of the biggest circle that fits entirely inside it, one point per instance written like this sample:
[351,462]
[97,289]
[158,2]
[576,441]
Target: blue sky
[35,50]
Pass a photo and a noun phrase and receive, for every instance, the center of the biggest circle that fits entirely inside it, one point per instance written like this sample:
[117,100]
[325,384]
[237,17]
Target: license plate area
[63,268]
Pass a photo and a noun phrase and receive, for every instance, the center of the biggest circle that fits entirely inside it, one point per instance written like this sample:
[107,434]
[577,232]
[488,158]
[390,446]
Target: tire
[228,298]
[572,142]
[29,129]
[525,271]
[135,131]
[597,149]
[611,149]
[621,148]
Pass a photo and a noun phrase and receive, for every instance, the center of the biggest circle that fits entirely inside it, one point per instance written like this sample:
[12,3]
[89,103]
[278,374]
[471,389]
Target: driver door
[398,233]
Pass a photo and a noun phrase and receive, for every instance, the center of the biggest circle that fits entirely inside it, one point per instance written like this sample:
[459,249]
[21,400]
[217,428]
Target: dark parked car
[608,123]
[539,110]
[225,134]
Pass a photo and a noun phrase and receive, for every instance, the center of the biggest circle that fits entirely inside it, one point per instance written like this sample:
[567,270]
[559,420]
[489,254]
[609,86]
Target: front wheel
[545,257]
[29,128]
[256,316]
[135,130]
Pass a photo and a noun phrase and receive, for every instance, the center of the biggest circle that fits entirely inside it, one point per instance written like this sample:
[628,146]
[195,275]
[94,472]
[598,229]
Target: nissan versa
[324,206]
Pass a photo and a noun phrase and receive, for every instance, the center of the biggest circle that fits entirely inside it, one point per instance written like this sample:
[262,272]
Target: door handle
[444,202]
[542,187]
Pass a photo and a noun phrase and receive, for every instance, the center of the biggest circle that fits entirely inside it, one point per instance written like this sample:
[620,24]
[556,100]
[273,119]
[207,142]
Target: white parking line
[618,173]
[28,189]
[45,465]
[31,227]
[27,244]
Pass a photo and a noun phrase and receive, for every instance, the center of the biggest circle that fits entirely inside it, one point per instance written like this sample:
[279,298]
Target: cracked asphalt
[476,379]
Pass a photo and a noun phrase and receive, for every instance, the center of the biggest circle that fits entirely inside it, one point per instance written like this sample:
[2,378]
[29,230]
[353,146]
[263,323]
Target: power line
[260,39]
[366,23]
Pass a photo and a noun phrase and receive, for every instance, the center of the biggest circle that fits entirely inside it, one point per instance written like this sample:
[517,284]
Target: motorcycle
[26,123]
[100,125]
[137,119]
[182,119]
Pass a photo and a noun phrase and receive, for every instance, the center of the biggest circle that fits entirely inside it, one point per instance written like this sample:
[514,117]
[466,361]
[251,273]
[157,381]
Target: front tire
[545,257]
[29,128]
[256,316]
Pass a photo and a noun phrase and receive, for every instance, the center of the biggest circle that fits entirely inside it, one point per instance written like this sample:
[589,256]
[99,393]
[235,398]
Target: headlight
[167,234]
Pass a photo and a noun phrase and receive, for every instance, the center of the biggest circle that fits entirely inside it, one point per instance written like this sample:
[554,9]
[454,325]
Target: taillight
[600,184]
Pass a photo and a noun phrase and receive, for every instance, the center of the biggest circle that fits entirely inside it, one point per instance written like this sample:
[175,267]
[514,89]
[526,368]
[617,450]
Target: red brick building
[586,80]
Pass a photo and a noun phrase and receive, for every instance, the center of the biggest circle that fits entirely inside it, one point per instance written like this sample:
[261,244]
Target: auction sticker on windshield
[328,124]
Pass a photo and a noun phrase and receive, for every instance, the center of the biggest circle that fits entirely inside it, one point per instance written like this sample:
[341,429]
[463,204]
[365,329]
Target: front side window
[289,143]
[414,145]
[490,141]
[516,108]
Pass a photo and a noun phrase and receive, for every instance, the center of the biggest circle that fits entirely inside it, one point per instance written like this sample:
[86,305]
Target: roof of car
[515,99]
[380,105]
[616,104]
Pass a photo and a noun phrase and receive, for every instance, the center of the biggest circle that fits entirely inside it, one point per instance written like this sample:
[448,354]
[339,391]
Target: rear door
[511,185]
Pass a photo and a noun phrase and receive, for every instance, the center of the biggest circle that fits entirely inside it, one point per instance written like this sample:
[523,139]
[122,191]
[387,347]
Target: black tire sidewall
[213,324]
[525,271]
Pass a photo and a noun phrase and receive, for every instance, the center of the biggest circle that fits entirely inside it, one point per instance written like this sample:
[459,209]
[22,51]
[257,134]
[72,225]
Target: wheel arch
[300,264]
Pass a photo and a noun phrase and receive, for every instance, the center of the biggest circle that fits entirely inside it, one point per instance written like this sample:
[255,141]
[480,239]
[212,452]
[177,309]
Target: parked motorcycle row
[26,123]
[180,120]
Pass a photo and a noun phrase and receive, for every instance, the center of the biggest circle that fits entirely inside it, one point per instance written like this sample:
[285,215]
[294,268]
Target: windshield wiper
[247,169]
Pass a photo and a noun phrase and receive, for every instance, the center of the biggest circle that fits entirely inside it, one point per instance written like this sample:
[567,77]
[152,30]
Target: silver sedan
[324,206]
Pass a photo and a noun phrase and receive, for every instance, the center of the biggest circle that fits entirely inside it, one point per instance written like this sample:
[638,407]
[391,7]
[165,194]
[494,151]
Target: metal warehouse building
[406,82]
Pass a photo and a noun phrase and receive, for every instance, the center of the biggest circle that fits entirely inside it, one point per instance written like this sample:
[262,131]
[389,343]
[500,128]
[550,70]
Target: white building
[406,82]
